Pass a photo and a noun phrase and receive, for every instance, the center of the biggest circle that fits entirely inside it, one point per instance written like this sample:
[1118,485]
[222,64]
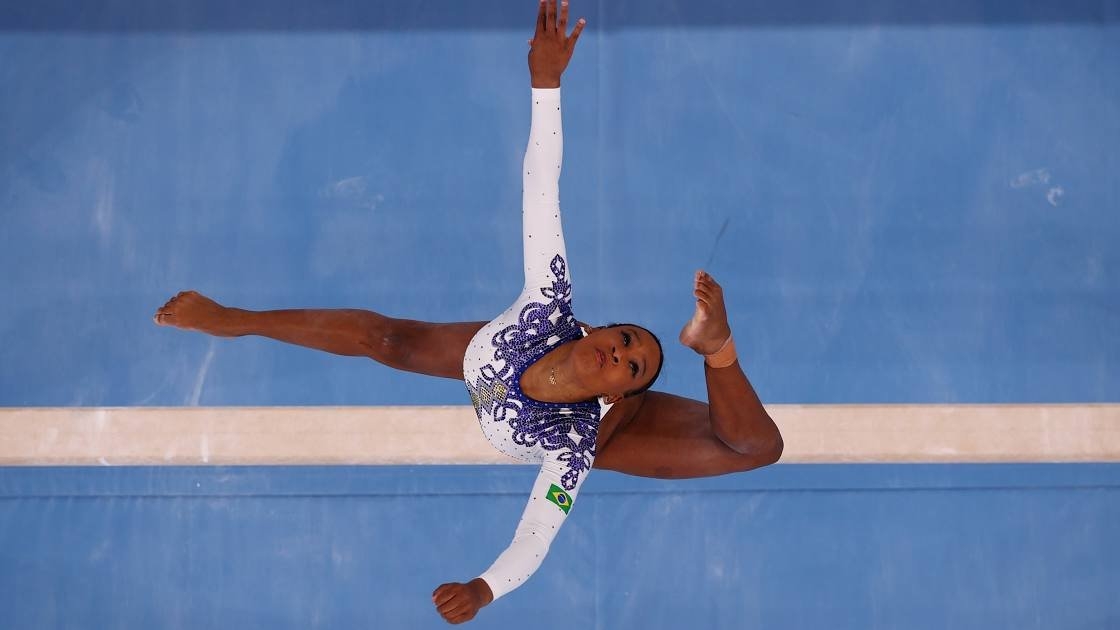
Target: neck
[537,382]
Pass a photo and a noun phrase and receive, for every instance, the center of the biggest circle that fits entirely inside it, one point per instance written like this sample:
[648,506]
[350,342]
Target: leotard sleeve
[542,232]
[547,508]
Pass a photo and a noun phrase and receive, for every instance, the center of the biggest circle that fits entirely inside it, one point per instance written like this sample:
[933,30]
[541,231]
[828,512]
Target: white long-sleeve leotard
[561,437]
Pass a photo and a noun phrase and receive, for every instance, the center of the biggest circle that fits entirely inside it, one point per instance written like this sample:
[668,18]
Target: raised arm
[542,231]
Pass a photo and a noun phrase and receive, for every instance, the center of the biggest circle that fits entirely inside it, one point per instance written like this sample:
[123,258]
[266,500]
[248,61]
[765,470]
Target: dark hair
[660,365]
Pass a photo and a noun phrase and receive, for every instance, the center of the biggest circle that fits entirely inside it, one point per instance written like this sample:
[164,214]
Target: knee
[769,448]
[776,446]
[391,348]
[760,451]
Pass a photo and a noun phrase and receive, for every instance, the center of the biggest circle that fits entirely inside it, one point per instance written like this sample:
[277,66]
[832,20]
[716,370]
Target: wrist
[481,590]
[545,83]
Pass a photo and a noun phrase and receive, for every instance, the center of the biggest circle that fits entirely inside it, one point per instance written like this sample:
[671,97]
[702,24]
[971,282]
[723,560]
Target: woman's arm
[542,231]
[544,514]
[550,51]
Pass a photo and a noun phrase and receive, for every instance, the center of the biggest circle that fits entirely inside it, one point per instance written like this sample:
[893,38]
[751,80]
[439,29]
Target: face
[617,360]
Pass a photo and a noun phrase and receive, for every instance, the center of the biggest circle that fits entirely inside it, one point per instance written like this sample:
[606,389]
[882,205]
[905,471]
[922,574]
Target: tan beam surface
[450,435]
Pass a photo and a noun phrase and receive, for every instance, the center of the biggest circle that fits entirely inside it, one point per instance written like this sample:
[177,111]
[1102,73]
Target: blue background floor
[912,204]
[784,547]
[903,204]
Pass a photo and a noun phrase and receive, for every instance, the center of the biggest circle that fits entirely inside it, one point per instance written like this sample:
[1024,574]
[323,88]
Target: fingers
[452,607]
[580,23]
[457,606]
[552,20]
[443,594]
[454,603]
[575,33]
[457,609]
[460,618]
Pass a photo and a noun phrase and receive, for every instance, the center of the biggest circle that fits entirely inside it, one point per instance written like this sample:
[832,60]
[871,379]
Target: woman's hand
[551,48]
[457,602]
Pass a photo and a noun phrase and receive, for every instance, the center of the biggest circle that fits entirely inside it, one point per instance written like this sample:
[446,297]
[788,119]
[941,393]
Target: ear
[611,399]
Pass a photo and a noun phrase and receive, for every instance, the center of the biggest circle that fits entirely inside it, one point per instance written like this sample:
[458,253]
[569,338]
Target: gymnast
[546,388]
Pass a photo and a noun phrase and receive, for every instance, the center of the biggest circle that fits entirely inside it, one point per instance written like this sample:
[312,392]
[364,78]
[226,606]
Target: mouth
[600,357]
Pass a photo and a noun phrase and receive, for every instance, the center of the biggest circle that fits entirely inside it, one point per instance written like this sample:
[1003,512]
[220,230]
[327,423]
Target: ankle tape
[723,357]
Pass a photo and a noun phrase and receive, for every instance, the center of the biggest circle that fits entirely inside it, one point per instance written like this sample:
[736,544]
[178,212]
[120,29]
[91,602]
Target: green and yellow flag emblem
[557,495]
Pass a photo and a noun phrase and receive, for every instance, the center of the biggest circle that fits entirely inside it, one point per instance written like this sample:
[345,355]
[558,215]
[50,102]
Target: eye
[625,338]
[633,369]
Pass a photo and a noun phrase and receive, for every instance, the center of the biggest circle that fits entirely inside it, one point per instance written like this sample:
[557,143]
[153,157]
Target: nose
[614,355]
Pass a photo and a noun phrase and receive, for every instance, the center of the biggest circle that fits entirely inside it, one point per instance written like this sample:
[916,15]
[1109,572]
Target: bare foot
[708,328]
[190,310]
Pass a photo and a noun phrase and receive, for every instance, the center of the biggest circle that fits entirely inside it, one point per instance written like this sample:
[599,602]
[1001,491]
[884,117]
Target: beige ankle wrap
[723,357]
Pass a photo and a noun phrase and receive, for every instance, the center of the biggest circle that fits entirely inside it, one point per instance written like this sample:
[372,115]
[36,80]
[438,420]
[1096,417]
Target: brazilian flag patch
[557,495]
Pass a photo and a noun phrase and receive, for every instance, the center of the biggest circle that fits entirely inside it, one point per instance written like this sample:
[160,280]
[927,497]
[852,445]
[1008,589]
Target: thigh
[670,437]
[428,348]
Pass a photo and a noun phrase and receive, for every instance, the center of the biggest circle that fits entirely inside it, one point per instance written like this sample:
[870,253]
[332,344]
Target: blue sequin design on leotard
[568,427]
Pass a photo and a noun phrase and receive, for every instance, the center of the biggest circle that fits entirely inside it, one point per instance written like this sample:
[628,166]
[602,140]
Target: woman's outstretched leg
[404,344]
